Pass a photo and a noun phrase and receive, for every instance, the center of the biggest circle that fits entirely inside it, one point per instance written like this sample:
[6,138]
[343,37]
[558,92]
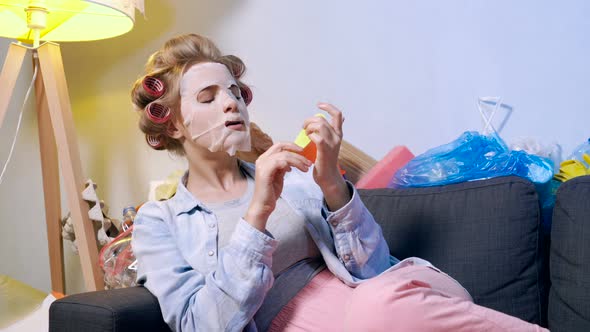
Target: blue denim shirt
[201,288]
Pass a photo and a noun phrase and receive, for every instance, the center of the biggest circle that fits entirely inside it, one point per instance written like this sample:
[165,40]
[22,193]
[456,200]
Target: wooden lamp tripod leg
[56,125]
[10,71]
[49,166]
[12,65]
[51,190]
[60,113]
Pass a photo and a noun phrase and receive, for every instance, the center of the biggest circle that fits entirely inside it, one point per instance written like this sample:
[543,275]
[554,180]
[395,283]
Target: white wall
[403,73]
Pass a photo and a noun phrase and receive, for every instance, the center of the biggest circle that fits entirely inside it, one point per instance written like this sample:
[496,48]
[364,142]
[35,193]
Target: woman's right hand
[271,167]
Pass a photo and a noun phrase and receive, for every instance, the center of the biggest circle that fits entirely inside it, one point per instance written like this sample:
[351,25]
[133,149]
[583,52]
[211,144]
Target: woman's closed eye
[206,95]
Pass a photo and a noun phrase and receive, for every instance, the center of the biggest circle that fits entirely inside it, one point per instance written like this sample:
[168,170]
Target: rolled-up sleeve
[358,239]
[223,300]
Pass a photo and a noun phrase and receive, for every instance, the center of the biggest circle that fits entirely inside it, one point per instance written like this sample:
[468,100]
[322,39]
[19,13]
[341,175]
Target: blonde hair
[168,65]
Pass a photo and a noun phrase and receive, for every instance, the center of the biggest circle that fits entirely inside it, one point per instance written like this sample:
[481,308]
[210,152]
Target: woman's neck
[215,178]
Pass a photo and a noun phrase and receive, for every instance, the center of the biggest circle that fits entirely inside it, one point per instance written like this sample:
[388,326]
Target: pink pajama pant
[413,298]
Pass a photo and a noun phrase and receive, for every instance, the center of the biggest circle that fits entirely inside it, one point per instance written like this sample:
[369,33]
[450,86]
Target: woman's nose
[229,103]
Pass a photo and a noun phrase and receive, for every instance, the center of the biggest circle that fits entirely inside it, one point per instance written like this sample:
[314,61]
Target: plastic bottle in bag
[579,151]
[129,214]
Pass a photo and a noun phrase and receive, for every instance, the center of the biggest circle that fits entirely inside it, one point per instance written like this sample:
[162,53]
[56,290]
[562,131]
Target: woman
[279,245]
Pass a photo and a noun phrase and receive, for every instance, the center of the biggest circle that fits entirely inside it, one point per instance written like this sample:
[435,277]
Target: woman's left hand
[327,137]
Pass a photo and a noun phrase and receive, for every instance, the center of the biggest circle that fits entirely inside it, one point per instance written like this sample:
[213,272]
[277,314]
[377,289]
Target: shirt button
[210,253]
[212,226]
[346,257]
[334,223]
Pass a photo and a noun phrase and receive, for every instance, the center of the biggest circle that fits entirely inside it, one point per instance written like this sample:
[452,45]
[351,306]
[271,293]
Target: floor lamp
[32,21]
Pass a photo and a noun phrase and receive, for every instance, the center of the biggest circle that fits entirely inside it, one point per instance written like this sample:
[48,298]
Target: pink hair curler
[153,86]
[158,113]
[154,141]
[246,94]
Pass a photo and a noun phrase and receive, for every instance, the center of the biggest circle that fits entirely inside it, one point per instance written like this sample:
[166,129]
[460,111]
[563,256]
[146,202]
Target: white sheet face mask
[213,110]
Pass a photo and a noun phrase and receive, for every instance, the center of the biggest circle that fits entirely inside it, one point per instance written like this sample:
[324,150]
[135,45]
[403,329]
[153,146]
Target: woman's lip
[235,125]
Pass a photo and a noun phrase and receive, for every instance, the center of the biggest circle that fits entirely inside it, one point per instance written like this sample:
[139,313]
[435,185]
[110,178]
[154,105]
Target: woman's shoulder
[154,211]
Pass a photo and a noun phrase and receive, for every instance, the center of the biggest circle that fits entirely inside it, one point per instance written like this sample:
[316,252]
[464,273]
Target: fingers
[283,156]
[284,146]
[337,118]
[289,159]
[321,129]
[335,124]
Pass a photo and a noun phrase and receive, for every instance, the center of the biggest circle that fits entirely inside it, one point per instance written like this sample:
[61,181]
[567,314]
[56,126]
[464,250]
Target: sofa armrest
[126,309]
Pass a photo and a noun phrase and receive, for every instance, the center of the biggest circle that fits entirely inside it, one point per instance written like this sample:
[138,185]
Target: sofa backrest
[486,234]
[569,298]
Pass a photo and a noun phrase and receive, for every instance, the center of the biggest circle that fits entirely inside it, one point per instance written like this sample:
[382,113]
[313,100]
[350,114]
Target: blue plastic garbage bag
[471,157]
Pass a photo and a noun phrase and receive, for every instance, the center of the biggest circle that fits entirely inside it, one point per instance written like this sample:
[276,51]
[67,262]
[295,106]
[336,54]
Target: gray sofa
[486,234]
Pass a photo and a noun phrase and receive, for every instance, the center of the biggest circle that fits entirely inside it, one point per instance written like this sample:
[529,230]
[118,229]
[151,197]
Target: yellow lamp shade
[67,20]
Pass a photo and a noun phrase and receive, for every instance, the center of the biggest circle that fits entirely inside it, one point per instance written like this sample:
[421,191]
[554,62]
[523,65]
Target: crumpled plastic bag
[118,262]
[470,157]
[532,145]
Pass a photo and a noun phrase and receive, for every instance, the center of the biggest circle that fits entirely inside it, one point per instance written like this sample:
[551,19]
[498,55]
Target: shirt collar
[184,201]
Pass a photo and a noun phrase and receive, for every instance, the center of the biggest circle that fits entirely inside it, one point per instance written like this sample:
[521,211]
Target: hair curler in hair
[154,141]
[246,94]
[153,86]
[234,64]
[157,113]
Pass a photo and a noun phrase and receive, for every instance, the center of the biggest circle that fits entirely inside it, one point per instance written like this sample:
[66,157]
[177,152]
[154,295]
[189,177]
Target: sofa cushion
[569,299]
[485,234]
